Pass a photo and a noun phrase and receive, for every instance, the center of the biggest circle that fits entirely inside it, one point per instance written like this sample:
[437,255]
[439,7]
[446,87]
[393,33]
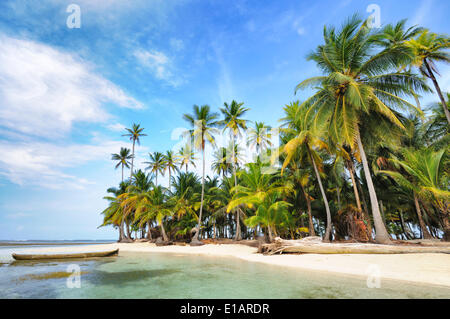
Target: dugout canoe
[65,256]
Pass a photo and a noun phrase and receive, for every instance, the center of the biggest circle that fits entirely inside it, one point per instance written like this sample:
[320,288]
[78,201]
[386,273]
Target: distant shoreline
[8,243]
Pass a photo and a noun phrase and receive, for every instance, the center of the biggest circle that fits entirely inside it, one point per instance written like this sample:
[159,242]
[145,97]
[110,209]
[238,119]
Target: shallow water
[153,275]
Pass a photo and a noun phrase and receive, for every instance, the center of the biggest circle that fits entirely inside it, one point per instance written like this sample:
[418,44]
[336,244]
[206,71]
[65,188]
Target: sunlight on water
[133,275]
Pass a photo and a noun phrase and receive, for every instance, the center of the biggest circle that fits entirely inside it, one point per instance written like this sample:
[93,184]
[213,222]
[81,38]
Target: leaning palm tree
[356,84]
[186,157]
[423,173]
[234,123]
[157,164]
[134,134]
[122,158]
[429,48]
[301,137]
[204,124]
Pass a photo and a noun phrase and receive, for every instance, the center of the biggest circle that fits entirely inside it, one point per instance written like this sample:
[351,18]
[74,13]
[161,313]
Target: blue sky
[66,94]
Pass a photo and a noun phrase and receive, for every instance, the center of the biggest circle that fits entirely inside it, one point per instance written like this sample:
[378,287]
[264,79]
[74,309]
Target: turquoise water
[153,275]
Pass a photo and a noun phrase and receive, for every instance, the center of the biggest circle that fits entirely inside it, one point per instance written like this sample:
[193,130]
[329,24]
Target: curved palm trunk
[201,200]
[425,232]
[324,196]
[163,232]
[310,220]
[381,234]
[438,90]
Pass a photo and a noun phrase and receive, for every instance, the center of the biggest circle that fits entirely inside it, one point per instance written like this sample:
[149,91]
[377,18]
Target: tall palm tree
[429,48]
[204,124]
[186,156]
[301,135]
[234,123]
[157,164]
[134,134]
[356,84]
[170,162]
[123,158]
[259,137]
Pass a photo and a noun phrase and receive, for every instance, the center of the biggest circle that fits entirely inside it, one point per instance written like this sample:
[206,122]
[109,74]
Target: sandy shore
[419,268]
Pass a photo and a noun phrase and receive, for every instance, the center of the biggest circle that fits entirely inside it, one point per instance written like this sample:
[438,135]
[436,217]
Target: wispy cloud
[159,64]
[44,164]
[43,91]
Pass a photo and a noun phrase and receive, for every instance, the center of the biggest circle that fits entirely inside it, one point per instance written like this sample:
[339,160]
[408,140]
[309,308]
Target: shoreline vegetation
[359,159]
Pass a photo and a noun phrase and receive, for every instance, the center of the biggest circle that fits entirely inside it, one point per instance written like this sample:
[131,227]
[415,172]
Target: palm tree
[170,162]
[134,133]
[220,164]
[302,136]
[259,137]
[157,164]
[186,156]
[114,214]
[153,205]
[428,49]
[123,158]
[234,123]
[203,123]
[358,84]
[423,172]
[270,213]
[256,187]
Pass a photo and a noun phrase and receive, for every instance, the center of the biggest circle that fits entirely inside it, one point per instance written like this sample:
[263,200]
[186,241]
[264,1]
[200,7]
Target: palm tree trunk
[201,200]
[425,232]
[122,172]
[269,231]
[310,220]
[355,188]
[381,234]
[132,159]
[238,224]
[163,232]
[121,233]
[438,90]
[149,231]
[324,196]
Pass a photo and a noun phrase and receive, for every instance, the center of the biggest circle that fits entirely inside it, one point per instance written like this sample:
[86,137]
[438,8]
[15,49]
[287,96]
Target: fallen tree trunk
[315,246]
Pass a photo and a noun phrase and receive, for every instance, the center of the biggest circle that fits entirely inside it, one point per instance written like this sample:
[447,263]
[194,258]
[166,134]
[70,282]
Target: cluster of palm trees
[361,159]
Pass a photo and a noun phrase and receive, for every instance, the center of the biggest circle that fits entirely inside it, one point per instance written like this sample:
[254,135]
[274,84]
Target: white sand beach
[419,268]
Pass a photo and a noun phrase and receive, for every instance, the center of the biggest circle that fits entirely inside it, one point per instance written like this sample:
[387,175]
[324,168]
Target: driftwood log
[314,245]
[114,252]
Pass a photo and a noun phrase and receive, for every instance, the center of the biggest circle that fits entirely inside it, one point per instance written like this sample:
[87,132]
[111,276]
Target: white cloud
[43,91]
[43,164]
[159,64]
[116,127]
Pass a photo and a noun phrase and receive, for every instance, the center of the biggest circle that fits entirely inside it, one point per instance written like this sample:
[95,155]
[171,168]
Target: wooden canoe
[65,256]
